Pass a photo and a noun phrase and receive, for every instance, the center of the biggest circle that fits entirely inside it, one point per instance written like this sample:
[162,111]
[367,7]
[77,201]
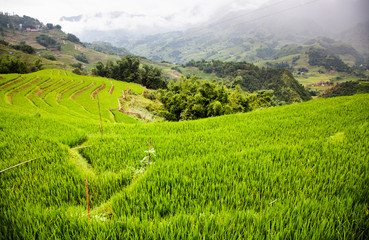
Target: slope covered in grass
[297,171]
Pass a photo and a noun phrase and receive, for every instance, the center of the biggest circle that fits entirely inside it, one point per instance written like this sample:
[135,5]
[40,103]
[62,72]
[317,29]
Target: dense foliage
[81,57]
[21,47]
[45,40]
[73,38]
[347,89]
[293,172]
[191,98]
[329,61]
[16,65]
[252,78]
[24,48]
[128,69]
[14,21]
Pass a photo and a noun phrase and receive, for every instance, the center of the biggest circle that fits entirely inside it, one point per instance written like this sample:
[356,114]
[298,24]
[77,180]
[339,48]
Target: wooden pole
[98,102]
[80,147]
[88,203]
[18,165]
[149,150]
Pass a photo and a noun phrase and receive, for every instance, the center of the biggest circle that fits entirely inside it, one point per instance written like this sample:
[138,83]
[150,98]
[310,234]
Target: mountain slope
[358,37]
[51,42]
[253,36]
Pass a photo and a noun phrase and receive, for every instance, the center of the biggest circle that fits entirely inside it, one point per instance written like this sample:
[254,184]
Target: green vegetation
[252,78]
[128,69]
[45,40]
[49,41]
[191,98]
[347,89]
[24,48]
[330,62]
[73,38]
[15,65]
[14,21]
[298,171]
[81,57]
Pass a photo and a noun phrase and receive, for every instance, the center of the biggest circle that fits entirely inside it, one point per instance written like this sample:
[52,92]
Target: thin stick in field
[18,165]
[98,103]
[88,203]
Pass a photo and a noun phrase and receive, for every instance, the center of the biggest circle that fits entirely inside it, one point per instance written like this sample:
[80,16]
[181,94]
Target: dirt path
[17,90]
[67,90]
[111,89]
[83,90]
[11,82]
[93,94]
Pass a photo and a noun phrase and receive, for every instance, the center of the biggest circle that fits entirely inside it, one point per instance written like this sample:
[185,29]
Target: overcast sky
[146,12]
[136,14]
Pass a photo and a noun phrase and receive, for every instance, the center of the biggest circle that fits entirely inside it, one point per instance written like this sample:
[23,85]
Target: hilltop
[56,48]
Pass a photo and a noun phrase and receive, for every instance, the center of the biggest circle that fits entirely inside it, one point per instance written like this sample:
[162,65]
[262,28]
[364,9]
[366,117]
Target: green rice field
[299,171]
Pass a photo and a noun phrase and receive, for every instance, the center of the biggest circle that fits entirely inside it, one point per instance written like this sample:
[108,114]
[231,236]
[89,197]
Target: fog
[145,17]
[320,16]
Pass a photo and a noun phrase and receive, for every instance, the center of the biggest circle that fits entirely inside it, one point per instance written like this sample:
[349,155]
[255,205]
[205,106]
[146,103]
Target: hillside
[264,47]
[51,43]
[232,40]
[358,37]
[50,92]
[296,171]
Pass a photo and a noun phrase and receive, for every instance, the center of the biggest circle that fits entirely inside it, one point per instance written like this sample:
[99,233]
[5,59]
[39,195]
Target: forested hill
[252,78]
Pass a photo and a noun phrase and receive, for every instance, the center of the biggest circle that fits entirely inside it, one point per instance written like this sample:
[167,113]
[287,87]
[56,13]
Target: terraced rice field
[292,172]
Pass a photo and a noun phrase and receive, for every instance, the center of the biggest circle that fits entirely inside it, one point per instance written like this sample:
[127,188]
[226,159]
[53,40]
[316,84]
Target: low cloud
[167,15]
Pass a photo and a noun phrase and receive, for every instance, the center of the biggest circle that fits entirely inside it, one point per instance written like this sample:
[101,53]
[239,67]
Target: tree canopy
[192,98]
[252,78]
[129,69]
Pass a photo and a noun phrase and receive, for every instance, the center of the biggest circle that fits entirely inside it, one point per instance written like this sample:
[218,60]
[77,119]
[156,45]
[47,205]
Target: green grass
[293,172]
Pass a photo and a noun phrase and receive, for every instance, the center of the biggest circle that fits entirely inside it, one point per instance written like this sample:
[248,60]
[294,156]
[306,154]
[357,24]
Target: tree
[45,40]
[72,38]
[49,26]
[192,98]
[81,57]
[24,48]
[128,69]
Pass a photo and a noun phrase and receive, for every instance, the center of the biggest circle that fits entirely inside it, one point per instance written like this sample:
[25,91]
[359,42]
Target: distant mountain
[255,45]
[358,37]
[255,36]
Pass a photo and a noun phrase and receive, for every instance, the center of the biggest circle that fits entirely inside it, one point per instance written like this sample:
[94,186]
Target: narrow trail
[111,89]
[11,82]
[12,92]
[93,94]
[60,96]
[83,90]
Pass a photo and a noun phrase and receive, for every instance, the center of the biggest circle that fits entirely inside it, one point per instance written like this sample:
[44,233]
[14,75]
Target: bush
[81,57]
[50,57]
[45,40]
[24,48]
[77,65]
[73,38]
